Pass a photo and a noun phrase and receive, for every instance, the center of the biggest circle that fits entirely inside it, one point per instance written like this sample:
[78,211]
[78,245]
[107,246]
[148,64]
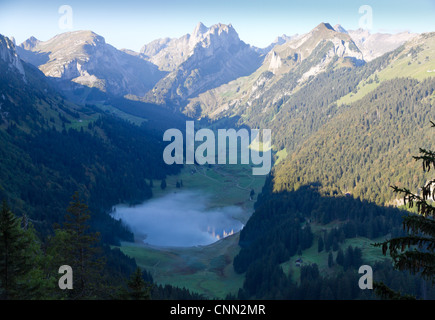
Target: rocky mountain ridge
[174,71]
[85,58]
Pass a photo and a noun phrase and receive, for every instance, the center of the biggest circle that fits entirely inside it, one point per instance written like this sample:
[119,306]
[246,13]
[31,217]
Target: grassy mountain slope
[416,60]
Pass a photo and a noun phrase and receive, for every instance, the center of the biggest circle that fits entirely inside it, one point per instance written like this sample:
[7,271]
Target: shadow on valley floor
[305,245]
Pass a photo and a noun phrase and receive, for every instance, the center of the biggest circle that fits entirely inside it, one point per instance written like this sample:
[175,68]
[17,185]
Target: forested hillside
[51,147]
[302,113]
[347,126]
[331,189]
[287,226]
[369,145]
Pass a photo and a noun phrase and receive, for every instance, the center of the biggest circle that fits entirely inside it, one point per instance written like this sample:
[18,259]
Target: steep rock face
[85,58]
[275,61]
[9,55]
[217,58]
[168,53]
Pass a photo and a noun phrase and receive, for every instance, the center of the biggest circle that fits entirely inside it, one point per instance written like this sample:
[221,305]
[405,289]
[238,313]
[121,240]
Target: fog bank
[180,219]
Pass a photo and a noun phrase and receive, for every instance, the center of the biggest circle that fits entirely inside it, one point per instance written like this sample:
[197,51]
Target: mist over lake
[180,219]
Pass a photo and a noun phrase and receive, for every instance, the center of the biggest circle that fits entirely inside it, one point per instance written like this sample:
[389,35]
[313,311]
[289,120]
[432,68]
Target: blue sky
[131,24]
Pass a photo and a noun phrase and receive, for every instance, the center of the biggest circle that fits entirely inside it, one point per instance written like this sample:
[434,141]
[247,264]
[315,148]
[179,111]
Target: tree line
[29,267]
[280,229]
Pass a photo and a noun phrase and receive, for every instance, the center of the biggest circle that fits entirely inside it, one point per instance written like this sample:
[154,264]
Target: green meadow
[204,269]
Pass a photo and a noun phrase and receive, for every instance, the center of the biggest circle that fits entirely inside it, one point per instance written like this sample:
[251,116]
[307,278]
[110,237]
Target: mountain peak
[324,25]
[198,33]
[78,38]
[199,29]
[340,29]
[221,27]
[323,31]
[226,30]
[32,39]
[30,43]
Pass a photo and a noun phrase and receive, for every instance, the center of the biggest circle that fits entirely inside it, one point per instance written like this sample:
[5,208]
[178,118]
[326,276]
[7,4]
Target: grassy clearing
[203,269]
[309,256]
[413,63]
[227,185]
[115,111]
[363,88]
[81,123]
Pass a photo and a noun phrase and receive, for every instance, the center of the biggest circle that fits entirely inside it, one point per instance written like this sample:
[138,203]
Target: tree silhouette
[415,251]
[163,184]
[76,246]
[20,258]
[330,260]
[320,245]
[138,288]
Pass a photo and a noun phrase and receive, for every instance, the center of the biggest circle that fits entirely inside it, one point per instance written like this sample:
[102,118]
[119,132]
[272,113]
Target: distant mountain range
[85,58]
[171,71]
[299,58]
[377,44]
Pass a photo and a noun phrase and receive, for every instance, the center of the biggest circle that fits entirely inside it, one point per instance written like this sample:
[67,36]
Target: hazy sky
[131,24]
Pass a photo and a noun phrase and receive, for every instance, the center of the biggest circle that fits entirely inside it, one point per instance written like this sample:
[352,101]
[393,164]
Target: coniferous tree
[357,257]
[335,245]
[340,258]
[20,259]
[330,259]
[139,289]
[327,242]
[326,293]
[299,251]
[163,184]
[415,251]
[320,245]
[76,246]
[348,258]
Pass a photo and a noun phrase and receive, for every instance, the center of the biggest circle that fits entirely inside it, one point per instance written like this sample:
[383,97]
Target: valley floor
[204,269]
[208,270]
